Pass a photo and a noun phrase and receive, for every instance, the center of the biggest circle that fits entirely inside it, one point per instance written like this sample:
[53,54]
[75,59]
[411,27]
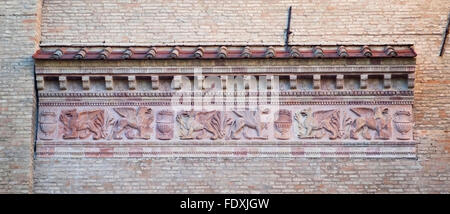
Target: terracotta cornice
[222,52]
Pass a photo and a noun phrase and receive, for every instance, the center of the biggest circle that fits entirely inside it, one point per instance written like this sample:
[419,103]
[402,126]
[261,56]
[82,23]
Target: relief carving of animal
[133,121]
[377,119]
[213,122]
[309,123]
[84,124]
[249,119]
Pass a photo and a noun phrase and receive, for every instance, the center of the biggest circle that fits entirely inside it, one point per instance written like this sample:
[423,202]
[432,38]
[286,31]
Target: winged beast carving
[377,119]
[314,124]
[133,121]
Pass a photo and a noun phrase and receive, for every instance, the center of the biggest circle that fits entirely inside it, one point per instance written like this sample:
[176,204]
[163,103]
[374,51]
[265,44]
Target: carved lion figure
[82,125]
[377,119]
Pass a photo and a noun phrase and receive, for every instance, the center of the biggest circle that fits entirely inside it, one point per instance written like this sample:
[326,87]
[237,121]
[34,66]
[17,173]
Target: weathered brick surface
[20,31]
[222,22]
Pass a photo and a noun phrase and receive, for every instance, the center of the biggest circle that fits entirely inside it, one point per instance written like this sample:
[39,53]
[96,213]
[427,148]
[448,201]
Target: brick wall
[257,22]
[19,36]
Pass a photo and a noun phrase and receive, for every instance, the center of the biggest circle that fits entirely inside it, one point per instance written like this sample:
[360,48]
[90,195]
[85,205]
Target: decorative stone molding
[151,53]
[128,53]
[318,52]
[223,52]
[58,54]
[295,52]
[270,52]
[246,53]
[175,52]
[199,52]
[342,51]
[81,54]
[104,54]
[389,50]
[366,51]
[215,52]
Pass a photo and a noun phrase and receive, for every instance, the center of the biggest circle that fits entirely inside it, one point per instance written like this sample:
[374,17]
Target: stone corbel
[340,81]
[132,82]
[109,82]
[246,81]
[293,81]
[200,80]
[269,79]
[155,82]
[387,81]
[177,82]
[316,81]
[411,79]
[85,82]
[363,81]
[40,82]
[224,80]
[62,82]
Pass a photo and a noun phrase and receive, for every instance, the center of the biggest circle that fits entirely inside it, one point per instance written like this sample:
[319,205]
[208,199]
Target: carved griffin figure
[82,125]
[249,119]
[132,120]
[213,122]
[377,119]
[309,122]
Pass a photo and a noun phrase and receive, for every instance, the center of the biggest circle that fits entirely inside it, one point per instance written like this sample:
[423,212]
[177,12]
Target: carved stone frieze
[292,111]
